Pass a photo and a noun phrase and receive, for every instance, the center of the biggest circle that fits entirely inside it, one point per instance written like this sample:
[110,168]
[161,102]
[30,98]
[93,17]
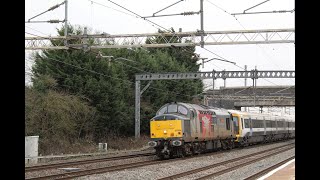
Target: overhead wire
[142,18]
[132,15]
[33,34]
[222,58]
[138,15]
[50,9]
[226,13]
[111,8]
[244,29]
[122,80]
[143,71]
[36,30]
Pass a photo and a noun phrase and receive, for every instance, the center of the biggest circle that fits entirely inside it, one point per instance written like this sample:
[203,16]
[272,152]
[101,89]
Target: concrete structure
[103,147]
[237,97]
[31,149]
[284,91]
[251,103]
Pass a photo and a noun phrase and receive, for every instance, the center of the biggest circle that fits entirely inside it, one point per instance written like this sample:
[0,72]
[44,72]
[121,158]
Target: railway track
[265,171]
[80,162]
[277,150]
[70,175]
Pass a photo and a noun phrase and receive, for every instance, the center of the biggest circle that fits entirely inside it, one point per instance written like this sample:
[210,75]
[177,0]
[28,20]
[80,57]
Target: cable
[249,35]
[241,68]
[138,15]
[37,30]
[221,58]
[50,9]
[111,8]
[237,66]
[214,53]
[133,67]
[124,81]
[255,5]
[145,72]
[90,70]
[264,12]
[168,7]
[227,13]
[204,48]
[218,7]
[34,34]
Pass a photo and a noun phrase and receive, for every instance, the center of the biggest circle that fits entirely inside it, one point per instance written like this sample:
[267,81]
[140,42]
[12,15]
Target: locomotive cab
[167,128]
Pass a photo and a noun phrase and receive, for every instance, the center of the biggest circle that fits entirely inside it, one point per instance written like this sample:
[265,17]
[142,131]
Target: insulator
[188,13]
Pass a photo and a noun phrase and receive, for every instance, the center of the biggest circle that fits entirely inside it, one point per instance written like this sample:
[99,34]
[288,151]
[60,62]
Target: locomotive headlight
[165,132]
[177,143]
[152,143]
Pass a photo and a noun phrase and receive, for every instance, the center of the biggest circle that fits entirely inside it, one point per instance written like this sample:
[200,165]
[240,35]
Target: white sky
[103,19]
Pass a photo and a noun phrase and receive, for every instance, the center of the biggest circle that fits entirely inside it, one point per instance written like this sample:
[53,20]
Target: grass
[58,147]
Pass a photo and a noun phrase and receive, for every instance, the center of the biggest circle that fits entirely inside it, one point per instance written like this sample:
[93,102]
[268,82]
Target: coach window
[242,123]
[268,123]
[246,123]
[253,123]
[228,123]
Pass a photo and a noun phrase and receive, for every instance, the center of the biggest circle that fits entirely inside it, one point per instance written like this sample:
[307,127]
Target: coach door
[264,125]
[250,124]
[193,123]
[236,124]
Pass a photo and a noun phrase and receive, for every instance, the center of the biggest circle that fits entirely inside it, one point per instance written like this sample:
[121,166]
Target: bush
[58,118]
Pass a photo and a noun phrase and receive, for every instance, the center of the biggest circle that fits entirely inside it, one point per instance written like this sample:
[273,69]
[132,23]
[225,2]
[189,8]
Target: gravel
[245,171]
[89,166]
[254,168]
[170,168]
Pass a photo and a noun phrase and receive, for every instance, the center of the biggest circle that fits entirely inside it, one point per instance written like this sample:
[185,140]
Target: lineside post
[137,110]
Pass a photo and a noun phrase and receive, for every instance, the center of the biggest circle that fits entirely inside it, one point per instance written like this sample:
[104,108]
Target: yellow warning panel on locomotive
[166,129]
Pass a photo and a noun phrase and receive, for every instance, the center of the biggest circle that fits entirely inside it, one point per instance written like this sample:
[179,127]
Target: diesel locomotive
[181,129]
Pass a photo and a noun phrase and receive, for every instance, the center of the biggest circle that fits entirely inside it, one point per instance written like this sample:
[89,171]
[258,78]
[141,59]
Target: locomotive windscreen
[173,108]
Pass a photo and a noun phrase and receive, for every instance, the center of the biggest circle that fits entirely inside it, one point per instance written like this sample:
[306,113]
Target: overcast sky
[109,19]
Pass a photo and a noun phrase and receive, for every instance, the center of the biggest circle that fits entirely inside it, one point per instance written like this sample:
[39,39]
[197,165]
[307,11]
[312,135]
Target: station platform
[284,172]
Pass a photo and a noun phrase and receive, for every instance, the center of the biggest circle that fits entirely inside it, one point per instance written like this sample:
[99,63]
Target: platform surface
[284,172]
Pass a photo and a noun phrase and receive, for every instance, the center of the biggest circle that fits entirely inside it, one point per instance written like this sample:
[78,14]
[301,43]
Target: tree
[110,87]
